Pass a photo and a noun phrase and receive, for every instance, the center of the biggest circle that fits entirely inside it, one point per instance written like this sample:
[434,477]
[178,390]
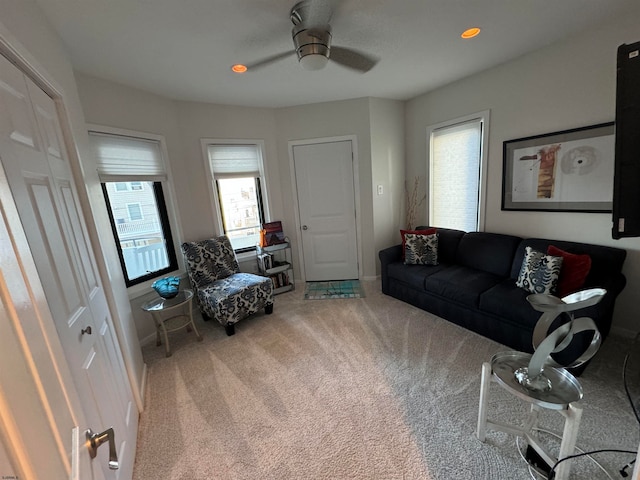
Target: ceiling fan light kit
[312,47]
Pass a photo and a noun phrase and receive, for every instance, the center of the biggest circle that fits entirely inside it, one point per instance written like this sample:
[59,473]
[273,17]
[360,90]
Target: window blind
[231,161]
[121,157]
[455,176]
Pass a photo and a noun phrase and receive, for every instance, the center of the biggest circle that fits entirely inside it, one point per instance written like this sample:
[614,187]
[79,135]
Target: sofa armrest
[387,256]
[391,254]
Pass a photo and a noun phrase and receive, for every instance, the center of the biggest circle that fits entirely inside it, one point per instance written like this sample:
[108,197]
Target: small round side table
[564,398]
[159,307]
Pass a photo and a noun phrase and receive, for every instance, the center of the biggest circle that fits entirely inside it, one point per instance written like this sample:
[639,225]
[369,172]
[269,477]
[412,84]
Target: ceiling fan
[311,36]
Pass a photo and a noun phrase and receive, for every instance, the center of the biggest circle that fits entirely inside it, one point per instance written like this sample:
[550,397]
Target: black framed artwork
[566,171]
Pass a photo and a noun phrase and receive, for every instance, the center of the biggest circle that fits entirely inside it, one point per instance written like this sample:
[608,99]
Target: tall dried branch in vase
[413,201]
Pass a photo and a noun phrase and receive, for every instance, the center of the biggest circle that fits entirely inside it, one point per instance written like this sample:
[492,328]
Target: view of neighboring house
[241,211]
[135,216]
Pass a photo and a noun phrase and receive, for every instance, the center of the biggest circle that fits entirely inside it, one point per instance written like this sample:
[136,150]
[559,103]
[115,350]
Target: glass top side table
[181,308]
[564,398]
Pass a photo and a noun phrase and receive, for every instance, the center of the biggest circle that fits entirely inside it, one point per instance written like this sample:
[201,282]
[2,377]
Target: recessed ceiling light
[239,68]
[470,33]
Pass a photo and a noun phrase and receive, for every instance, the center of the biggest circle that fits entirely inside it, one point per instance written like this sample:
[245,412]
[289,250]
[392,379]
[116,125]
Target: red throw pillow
[428,231]
[574,271]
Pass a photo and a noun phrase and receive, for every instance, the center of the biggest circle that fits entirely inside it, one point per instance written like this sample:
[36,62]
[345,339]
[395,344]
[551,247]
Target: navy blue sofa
[474,284]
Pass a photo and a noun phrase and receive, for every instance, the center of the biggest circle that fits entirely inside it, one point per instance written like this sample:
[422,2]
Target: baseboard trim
[143,386]
[148,340]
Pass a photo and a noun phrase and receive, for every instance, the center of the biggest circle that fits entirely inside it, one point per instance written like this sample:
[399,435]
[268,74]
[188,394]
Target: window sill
[246,256]
[144,288]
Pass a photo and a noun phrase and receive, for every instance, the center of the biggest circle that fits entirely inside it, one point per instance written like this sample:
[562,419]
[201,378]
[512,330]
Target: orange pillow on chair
[574,271]
[428,231]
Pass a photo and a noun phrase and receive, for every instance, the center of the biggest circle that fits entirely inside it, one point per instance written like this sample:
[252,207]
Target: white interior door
[326,206]
[36,164]
[40,404]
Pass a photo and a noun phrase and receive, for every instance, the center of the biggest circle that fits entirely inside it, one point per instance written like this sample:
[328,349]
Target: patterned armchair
[221,290]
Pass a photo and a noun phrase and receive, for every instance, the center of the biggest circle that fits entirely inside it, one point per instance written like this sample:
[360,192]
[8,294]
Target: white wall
[566,85]
[197,121]
[113,105]
[184,124]
[387,165]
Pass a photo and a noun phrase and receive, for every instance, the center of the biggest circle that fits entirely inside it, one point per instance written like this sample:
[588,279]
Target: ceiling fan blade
[347,57]
[268,60]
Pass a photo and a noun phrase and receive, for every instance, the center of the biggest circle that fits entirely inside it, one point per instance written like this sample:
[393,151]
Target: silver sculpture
[532,376]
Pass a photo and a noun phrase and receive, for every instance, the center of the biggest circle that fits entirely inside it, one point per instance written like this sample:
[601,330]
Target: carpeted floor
[367,388]
[333,289]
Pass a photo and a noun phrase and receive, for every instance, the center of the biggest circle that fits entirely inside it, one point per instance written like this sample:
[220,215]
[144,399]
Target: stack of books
[280,280]
[265,261]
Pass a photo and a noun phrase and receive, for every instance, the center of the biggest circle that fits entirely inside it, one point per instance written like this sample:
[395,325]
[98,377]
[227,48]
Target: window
[132,174]
[237,181]
[135,211]
[457,173]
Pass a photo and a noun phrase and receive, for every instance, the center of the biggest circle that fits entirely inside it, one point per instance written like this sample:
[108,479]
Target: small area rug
[333,289]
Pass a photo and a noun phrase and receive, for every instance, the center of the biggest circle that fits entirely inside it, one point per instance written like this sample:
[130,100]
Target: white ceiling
[183,49]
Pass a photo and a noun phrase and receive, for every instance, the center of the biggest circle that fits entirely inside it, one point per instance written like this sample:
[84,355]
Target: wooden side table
[160,307]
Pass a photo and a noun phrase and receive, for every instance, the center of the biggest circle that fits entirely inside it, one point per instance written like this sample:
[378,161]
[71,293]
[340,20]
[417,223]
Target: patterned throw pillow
[539,272]
[421,249]
[403,233]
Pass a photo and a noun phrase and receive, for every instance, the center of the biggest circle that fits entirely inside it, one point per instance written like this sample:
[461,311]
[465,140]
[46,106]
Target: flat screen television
[626,181]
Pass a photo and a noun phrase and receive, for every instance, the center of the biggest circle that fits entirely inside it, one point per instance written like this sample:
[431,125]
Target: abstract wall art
[567,171]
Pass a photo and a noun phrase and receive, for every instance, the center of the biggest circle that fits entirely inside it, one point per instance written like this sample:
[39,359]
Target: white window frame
[484,118]
[211,181]
[142,288]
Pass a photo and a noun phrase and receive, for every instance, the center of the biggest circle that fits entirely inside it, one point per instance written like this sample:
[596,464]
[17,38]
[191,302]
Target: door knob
[304,227]
[94,440]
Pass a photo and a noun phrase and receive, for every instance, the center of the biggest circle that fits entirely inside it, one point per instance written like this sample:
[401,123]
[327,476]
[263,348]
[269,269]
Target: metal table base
[164,325]
[563,398]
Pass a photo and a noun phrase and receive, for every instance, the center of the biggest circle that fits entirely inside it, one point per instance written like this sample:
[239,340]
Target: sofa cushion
[460,284]
[506,300]
[574,271]
[539,272]
[421,249]
[489,252]
[412,275]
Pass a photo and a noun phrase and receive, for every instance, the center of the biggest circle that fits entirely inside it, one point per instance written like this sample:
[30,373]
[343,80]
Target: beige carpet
[367,388]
